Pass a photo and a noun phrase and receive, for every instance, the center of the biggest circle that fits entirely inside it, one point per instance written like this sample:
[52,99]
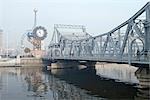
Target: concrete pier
[61,64]
[143,75]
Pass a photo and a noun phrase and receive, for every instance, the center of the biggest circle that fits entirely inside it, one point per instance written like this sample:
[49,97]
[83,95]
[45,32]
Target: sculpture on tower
[35,37]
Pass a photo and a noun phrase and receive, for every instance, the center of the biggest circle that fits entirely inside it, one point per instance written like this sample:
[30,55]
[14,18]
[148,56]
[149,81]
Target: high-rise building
[1,39]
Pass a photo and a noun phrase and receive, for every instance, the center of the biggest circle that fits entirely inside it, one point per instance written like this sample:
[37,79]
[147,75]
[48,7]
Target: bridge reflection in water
[81,83]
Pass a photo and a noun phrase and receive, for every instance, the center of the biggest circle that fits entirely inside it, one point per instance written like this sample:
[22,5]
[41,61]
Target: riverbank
[26,61]
[10,62]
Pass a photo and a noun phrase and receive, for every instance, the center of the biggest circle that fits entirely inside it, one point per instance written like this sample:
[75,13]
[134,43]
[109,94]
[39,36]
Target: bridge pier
[62,64]
[90,64]
[61,67]
[143,75]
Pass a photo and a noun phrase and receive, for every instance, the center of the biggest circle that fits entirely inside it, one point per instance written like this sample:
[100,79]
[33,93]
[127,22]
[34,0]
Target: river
[104,82]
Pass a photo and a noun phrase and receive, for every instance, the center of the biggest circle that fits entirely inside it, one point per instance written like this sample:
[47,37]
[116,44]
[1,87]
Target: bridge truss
[128,42]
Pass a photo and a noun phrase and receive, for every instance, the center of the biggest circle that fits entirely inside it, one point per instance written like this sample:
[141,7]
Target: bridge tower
[35,37]
[147,32]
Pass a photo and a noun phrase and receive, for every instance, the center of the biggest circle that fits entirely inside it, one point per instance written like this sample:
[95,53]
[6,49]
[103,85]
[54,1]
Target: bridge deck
[102,59]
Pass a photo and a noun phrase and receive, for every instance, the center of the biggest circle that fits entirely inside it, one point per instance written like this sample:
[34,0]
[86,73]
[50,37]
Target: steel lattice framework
[67,40]
[128,42]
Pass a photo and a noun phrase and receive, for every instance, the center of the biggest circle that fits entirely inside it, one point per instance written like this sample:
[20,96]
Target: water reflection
[64,91]
[35,82]
[30,83]
[96,85]
[120,72]
[81,83]
[22,84]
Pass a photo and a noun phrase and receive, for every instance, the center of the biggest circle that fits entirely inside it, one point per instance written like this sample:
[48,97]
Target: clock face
[40,33]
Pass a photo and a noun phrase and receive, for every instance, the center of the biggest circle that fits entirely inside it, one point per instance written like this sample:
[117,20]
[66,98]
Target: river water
[105,82]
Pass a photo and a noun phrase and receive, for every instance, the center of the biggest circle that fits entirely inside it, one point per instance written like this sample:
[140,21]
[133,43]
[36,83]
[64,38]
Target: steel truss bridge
[127,43]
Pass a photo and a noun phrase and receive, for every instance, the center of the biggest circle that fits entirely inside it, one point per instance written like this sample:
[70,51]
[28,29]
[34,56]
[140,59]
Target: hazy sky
[99,16]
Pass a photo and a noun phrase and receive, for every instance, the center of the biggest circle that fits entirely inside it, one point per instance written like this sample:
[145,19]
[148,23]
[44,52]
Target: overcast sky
[99,16]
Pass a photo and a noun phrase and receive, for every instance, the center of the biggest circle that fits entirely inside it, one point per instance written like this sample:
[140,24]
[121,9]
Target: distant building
[1,39]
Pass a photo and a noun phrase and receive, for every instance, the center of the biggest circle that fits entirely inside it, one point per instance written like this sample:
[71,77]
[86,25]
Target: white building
[1,39]
[1,42]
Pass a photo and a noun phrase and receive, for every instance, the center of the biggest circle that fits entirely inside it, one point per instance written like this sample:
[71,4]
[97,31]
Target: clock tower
[36,37]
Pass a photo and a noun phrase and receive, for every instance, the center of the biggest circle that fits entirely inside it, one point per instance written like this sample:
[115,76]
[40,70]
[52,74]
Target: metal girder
[105,45]
[70,26]
[125,39]
[121,43]
[138,31]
